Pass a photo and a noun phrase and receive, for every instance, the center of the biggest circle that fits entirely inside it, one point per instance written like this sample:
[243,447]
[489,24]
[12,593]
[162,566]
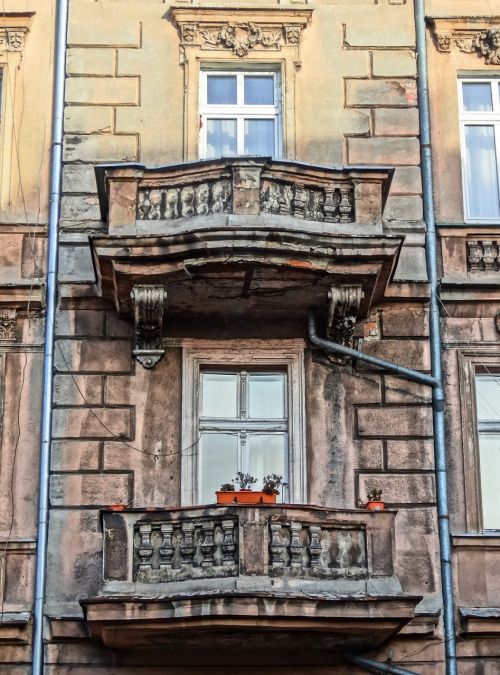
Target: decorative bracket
[345,302]
[149,306]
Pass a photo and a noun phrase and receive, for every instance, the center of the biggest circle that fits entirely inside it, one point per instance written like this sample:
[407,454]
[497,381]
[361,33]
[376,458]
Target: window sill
[480,540]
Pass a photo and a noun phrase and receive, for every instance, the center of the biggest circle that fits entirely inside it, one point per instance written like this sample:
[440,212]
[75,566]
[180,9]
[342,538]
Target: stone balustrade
[483,255]
[281,545]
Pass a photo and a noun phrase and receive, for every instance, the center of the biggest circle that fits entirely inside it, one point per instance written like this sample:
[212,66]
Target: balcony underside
[253,629]
[234,270]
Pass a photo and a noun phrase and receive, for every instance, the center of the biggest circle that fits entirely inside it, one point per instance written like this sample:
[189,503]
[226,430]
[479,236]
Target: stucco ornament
[149,306]
[242,37]
[8,326]
[488,44]
[12,40]
[345,302]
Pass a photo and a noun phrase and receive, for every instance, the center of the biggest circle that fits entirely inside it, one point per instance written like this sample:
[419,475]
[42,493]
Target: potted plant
[245,495]
[375,502]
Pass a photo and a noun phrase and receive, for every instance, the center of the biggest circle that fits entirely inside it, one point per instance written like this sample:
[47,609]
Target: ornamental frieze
[239,31]
[463,36]
[12,39]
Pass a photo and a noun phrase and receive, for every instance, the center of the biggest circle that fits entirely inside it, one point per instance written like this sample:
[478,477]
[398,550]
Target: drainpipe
[51,300]
[435,344]
[373,666]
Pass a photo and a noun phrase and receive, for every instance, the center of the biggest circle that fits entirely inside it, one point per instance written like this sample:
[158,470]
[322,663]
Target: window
[243,410]
[243,426]
[240,113]
[480,129]
[488,425]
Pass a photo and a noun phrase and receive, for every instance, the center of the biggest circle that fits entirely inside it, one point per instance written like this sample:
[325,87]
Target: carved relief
[12,39]
[240,36]
[485,43]
[483,255]
[332,205]
[174,551]
[149,305]
[171,203]
[304,550]
[345,302]
[8,325]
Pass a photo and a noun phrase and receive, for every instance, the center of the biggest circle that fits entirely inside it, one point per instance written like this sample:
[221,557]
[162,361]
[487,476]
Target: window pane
[489,449]
[259,90]
[220,395]
[218,463]
[266,396]
[259,137]
[477,96]
[221,90]
[482,174]
[266,453]
[488,398]
[221,138]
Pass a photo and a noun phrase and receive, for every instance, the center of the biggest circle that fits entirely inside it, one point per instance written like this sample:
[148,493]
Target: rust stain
[299,263]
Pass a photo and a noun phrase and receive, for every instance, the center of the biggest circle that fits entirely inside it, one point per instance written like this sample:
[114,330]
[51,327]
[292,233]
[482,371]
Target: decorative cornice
[480,36]
[12,39]
[240,30]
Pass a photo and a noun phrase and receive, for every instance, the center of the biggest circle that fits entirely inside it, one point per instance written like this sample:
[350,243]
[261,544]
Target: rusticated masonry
[174,551]
[185,202]
[314,551]
[483,256]
[332,205]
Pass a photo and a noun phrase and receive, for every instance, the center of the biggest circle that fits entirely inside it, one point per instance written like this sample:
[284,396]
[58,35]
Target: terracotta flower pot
[375,506]
[245,497]
[117,507]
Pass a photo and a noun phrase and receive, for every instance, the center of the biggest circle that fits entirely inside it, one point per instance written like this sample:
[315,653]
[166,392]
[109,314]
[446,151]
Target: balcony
[237,576]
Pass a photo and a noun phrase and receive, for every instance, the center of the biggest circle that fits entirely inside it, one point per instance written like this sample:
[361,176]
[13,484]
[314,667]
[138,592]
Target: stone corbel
[8,326]
[149,306]
[345,302]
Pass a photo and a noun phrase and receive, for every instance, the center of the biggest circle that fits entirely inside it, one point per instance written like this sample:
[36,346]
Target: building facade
[238,179]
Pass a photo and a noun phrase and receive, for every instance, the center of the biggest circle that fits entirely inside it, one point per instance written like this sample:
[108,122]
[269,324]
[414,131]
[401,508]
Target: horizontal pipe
[408,373]
[373,666]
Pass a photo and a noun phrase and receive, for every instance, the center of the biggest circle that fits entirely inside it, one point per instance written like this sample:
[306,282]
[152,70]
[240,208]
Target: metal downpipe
[435,343]
[373,666]
[408,373]
[51,300]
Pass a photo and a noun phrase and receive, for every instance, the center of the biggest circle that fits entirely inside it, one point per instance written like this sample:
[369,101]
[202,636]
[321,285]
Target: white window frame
[481,118]
[485,428]
[287,356]
[240,111]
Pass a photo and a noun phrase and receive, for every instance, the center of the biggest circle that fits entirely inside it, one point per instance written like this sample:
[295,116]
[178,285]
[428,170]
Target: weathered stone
[410,455]
[398,31]
[407,180]
[92,423]
[401,390]
[383,150]
[90,61]
[408,322]
[80,119]
[409,353]
[394,64]
[380,93]
[97,489]
[396,122]
[370,454]
[75,264]
[80,208]
[79,178]
[78,390]
[395,421]
[74,455]
[100,148]
[93,356]
[404,208]
[83,323]
[106,28]
[102,90]
[399,488]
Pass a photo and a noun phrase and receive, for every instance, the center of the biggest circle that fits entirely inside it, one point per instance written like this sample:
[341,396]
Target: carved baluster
[489,255]
[331,206]
[277,546]
[474,255]
[345,206]
[208,546]
[145,551]
[300,201]
[167,549]
[315,544]
[296,547]
[228,543]
[285,200]
[188,548]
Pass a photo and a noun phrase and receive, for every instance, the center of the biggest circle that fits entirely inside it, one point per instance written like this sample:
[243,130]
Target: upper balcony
[271,580]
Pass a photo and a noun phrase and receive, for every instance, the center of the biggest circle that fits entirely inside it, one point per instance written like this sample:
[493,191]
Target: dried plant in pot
[245,495]
[375,502]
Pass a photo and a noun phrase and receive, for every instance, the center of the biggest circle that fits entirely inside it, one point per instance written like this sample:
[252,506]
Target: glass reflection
[488,398]
[218,463]
[259,137]
[477,97]
[221,138]
[219,395]
[259,90]
[266,454]
[221,90]
[266,396]
[482,173]
[489,448]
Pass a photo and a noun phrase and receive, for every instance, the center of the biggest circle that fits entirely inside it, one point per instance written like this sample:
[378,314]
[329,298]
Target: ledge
[480,620]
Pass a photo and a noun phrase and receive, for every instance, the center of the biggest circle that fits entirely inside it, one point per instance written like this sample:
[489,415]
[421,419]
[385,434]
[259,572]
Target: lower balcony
[269,582]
